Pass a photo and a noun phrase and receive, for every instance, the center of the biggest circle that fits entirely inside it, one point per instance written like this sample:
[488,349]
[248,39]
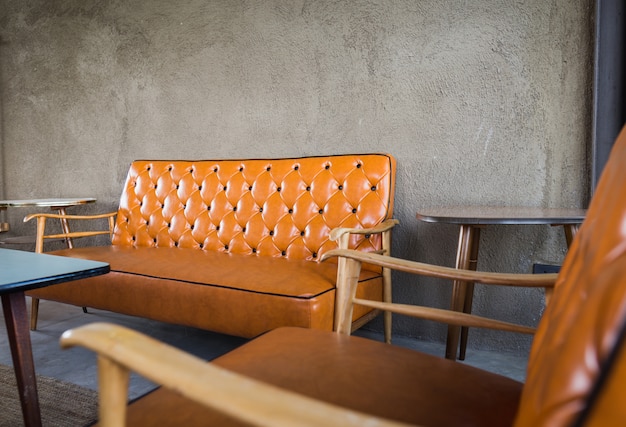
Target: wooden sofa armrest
[67,234]
[351,268]
[121,350]
[342,234]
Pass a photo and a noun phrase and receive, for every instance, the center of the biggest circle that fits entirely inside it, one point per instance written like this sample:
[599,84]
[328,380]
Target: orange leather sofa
[232,246]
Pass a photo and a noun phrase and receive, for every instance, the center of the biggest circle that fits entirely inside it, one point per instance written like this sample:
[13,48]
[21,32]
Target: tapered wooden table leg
[467,250]
[16,319]
[469,294]
[570,233]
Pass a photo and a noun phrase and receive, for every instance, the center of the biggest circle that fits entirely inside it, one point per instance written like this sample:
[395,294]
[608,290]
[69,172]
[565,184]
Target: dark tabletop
[501,215]
[21,270]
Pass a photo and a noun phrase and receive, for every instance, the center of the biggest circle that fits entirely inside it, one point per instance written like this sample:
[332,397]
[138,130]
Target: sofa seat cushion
[279,276]
[401,384]
[241,295]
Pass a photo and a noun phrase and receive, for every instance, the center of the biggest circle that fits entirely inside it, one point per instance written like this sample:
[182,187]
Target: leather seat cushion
[227,293]
[401,384]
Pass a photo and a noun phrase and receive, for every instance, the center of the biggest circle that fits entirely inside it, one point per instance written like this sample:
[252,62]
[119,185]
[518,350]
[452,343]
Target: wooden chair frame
[68,236]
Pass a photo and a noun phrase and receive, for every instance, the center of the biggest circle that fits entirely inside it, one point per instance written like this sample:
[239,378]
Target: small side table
[21,271]
[470,220]
[56,204]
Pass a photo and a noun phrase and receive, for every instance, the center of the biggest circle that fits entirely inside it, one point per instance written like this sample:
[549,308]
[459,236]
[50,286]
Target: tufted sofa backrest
[267,207]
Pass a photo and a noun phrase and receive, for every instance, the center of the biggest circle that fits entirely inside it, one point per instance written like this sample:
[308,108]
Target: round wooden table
[470,220]
[57,204]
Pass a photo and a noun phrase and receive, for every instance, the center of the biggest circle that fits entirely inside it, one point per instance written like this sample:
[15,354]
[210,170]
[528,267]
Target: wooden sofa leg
[387,298]
[34,312]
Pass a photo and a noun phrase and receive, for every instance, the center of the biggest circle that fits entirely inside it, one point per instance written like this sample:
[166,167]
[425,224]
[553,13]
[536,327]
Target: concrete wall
[482,102]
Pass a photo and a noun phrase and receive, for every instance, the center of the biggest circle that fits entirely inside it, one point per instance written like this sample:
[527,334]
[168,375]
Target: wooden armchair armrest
[68,235]
[346,289]
[121,350]
[430,270]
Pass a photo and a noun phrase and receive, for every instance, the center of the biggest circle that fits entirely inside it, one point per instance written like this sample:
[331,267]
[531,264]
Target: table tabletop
[51,202]
[22,270]
[477,215]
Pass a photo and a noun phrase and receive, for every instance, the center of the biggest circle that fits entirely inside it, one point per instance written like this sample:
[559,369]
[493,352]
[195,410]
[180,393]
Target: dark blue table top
[21,270]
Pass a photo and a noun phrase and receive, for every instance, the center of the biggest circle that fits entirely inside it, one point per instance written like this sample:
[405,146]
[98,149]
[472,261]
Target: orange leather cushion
[353,372]
[582,320]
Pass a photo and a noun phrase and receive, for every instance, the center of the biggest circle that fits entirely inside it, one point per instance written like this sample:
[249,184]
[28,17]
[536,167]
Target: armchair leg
[34,313]
[387,319]
[113,382]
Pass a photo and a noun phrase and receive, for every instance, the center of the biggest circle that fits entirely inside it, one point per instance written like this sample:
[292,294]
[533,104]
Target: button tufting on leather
[304,198]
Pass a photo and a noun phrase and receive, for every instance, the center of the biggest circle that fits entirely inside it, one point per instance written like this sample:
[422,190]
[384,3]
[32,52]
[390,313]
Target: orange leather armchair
[576,373]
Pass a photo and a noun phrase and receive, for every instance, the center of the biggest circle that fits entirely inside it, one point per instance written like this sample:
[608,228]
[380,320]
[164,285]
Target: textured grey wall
[482,102]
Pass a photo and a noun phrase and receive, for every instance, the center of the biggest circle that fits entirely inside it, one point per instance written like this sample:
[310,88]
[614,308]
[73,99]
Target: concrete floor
[78,366]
